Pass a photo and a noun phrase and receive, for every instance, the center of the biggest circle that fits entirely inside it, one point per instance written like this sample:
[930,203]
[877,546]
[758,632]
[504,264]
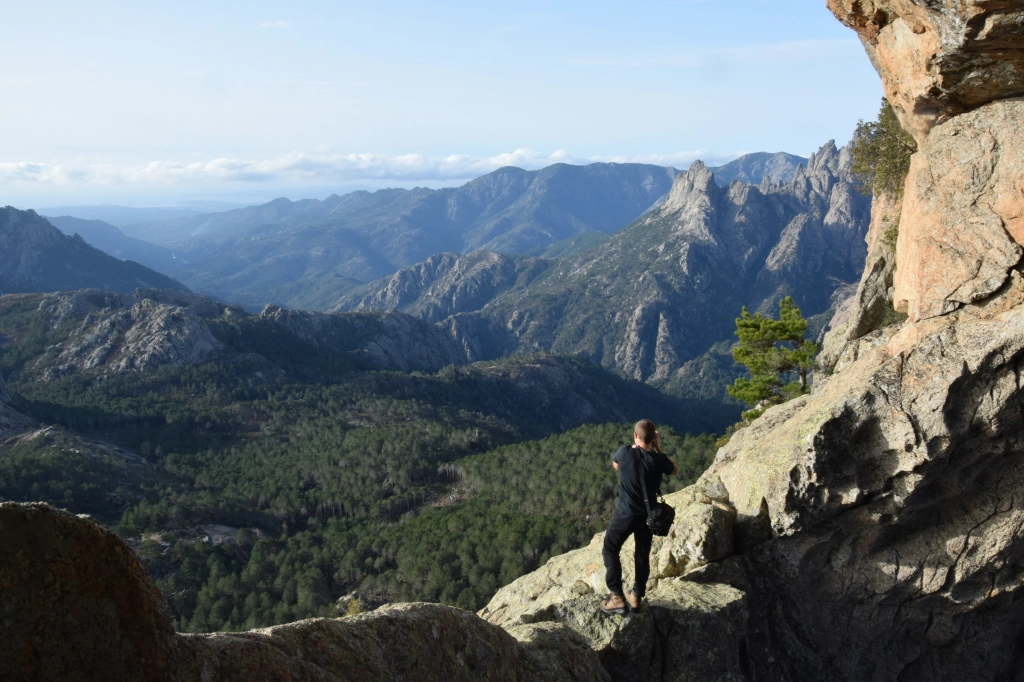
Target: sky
[158,104]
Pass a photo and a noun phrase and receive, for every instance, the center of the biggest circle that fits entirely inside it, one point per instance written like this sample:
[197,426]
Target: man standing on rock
[646,459]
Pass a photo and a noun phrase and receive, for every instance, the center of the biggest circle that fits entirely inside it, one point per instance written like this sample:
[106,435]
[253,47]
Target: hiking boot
[634,602]
[615,604]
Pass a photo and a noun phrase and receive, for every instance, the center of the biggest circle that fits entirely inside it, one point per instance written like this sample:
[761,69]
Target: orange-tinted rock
[940,59]
[962,224]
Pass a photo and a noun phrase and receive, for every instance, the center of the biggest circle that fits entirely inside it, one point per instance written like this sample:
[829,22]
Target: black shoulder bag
[661,515]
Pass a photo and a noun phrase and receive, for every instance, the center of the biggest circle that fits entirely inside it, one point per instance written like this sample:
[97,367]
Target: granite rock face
[444,285]
[76,604]
[891,493]
[962,224]
[118,333]
[940,59]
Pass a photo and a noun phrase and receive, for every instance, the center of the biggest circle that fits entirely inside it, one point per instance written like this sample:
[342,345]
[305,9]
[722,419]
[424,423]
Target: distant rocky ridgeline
[660,293]
[95,335]
[35,256]
[304,254]
[111,333]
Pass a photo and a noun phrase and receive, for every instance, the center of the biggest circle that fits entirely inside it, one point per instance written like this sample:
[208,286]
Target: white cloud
[322,168]
[275,24]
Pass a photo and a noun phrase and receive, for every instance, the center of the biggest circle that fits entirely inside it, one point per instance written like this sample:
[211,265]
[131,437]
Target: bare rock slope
[108,333]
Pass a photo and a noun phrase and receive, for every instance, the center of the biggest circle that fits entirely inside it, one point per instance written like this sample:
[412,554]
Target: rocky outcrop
[870,306]
[392,340]
[874,298]
[118,333]
[658,642]
[36,257]
[445,285]
[940,59]
[954,73]
[77,605]
[892,496]
[962,226]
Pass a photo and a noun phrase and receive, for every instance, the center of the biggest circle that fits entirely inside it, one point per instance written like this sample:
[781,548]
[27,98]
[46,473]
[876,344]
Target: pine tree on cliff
[881,154]
[772,349]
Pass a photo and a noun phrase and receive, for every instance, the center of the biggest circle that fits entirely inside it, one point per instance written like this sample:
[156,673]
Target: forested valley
[261,486]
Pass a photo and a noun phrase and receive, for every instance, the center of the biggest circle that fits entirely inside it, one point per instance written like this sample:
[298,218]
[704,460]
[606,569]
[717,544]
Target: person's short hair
[645,428]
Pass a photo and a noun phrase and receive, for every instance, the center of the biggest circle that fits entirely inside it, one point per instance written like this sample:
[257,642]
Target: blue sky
[151,104]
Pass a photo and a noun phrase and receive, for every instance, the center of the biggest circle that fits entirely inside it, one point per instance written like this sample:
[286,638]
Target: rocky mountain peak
[825,158]
[697,179]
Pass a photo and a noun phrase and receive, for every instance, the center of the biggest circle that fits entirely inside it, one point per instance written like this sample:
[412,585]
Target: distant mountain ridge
[112,241]
[37,257]
[308,253]
[780,167]
[305,254]
[283,250]
[655,298]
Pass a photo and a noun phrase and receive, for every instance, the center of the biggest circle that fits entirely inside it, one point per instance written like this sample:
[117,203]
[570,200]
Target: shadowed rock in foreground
[76,604]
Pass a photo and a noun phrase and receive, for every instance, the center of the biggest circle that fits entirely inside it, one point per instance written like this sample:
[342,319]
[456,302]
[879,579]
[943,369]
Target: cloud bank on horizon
[305,169]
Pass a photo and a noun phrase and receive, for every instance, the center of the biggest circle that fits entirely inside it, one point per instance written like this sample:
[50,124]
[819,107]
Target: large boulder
[76,604]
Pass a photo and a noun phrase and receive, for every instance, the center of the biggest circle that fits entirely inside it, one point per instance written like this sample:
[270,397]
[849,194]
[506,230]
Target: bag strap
[643,484]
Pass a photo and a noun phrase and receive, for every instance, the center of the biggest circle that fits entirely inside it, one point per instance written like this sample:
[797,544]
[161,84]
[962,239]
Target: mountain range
[656,296]
[305,254]
[653,301]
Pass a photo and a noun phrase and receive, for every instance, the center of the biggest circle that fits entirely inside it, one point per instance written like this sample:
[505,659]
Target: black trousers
[621,526]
